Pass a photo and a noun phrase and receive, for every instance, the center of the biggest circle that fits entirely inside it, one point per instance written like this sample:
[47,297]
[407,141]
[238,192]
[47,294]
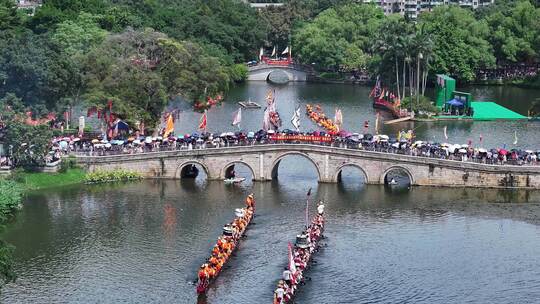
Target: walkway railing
[342,146]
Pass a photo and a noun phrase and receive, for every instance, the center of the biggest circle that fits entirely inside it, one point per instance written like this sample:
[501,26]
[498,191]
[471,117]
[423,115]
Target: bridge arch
[223,174]
[261,73]
[337,174]
[275,163]
[406,170]
[180,169]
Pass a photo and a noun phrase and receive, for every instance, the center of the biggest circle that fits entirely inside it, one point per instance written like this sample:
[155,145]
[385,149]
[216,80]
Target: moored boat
[300,256]
[225,245]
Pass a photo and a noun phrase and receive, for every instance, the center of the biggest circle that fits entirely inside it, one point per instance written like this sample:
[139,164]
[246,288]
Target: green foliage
[460,42]
[9,17]
[338,37]
[35,70]
[28,144]
[10,198]
[111,176]
[79,36]
[331,75]
[238,72]
[10,201]
[515,30]
[424,104]
[140,71]
[67,163]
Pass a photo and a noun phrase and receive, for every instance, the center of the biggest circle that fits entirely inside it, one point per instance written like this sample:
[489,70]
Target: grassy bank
[36,181]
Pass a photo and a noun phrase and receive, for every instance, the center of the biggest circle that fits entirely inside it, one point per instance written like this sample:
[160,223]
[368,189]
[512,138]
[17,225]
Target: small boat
[249,104]
[234,180]
[299,259]
[225,246]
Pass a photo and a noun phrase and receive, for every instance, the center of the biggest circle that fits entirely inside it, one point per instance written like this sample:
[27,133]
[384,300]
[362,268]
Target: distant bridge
[263,162]
[294,72]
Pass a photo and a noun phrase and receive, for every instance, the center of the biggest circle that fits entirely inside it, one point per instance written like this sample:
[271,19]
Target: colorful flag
[296,119]
[169,128]
[292,265]
[202,122]
[237,118]
[338,119]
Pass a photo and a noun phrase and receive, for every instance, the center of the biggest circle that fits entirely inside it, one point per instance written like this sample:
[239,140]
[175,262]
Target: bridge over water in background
[263,161]
[293,72]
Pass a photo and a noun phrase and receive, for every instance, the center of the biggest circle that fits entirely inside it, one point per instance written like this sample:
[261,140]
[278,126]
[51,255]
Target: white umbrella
[529,151]
[395,145]
[462,151]
[465,146]
[482,150]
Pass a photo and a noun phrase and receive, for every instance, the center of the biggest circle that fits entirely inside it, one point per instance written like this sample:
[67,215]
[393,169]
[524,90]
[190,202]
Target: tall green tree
[336,32]
[515,31]
[460,42]
[140,71]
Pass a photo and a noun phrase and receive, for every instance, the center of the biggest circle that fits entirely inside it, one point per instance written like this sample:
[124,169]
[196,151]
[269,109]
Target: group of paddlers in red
[225,245]
[307,243]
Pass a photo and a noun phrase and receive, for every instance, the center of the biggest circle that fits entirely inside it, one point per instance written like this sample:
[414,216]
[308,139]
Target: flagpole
[307,208]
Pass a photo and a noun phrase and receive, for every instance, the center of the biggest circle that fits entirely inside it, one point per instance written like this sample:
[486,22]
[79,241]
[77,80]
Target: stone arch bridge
[294,72]
[263,161]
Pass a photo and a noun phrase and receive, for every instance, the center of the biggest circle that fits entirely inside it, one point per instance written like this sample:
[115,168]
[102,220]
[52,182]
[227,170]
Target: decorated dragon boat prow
[299,258]
[225,245]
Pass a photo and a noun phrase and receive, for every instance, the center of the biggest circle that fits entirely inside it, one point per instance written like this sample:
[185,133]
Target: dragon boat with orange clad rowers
[225,245]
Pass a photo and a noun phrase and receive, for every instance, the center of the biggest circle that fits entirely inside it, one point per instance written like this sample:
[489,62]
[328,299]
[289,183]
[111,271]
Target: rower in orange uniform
[250,201]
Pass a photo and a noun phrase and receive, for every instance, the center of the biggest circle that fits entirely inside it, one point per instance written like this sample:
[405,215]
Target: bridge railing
[387,149]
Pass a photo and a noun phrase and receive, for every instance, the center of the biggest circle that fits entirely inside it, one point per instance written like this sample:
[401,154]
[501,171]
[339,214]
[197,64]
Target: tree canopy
[338,37]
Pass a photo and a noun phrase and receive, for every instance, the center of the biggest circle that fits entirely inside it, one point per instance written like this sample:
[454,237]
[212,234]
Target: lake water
[143,242]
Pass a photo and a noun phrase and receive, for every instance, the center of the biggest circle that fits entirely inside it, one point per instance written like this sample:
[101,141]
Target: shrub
[239,72]
[10,198]
[111,176]
[67,163]
[425,105]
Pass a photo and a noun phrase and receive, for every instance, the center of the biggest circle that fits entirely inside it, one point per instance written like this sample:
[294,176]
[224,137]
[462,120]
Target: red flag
[202,122]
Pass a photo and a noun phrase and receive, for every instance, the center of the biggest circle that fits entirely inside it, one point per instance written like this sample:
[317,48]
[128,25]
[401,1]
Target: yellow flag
[170,126]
